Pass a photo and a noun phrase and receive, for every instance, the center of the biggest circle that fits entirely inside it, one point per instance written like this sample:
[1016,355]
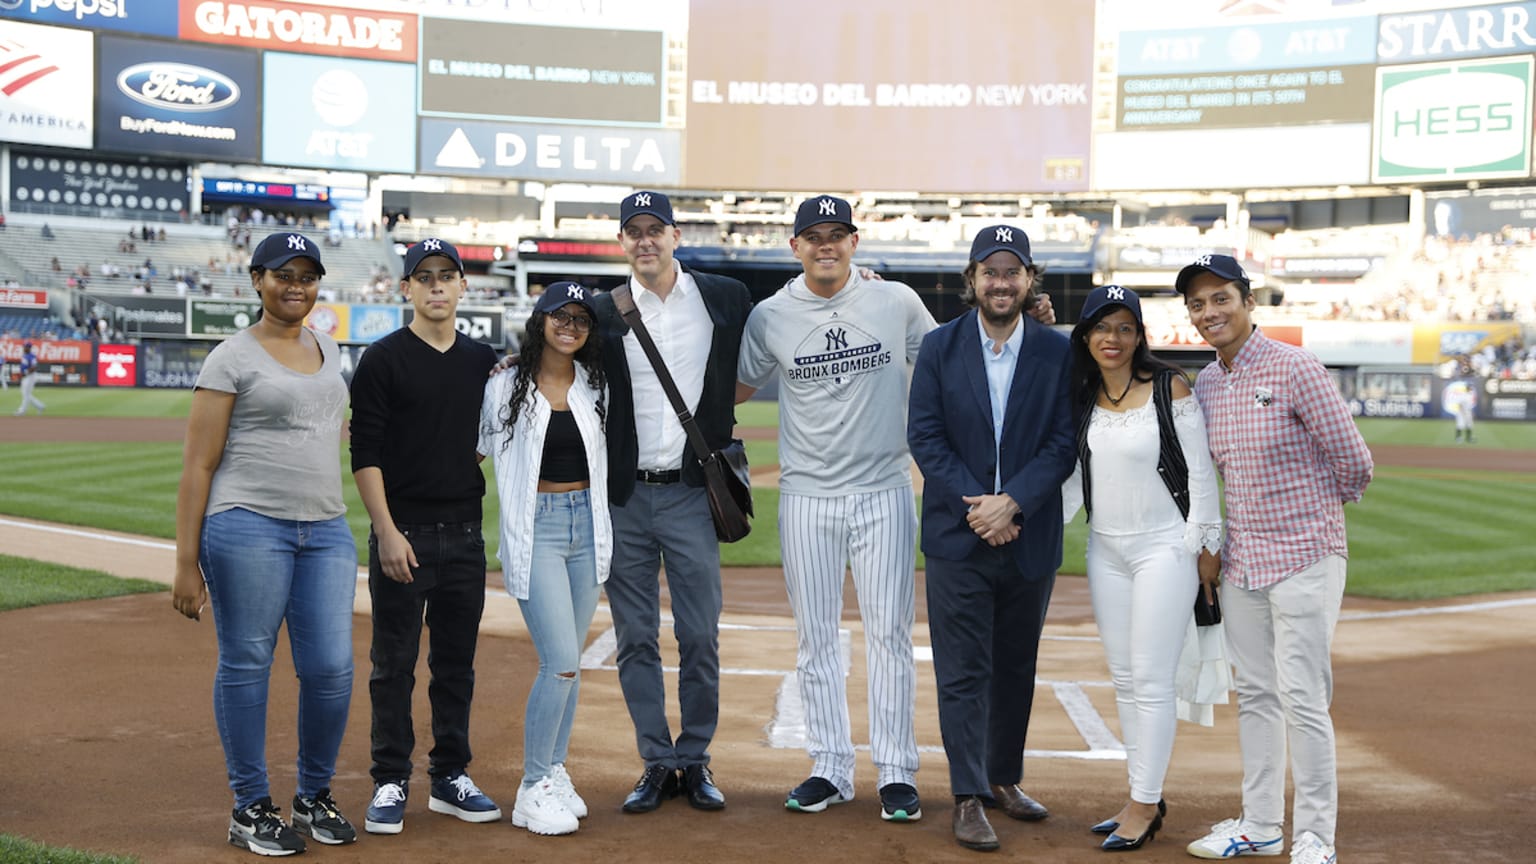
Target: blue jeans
[562,595]
[262,572]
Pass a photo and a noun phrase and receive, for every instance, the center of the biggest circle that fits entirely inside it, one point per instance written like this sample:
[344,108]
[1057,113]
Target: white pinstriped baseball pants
[876,534]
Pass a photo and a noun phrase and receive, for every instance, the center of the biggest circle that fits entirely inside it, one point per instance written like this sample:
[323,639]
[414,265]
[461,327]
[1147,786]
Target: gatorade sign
[117,365]
[1461,120]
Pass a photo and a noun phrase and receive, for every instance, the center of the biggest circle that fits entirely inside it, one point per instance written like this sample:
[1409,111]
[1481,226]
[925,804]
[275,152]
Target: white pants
[875,533]
[1464,415]
[1143,590]
[29,381]
[1281,638]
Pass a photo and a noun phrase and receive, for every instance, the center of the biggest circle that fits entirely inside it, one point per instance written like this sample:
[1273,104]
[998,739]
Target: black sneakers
[319,818]
[899,803]
[260,828]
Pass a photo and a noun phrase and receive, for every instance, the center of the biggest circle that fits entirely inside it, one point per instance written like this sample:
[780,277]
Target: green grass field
[1418,534]
[16,850]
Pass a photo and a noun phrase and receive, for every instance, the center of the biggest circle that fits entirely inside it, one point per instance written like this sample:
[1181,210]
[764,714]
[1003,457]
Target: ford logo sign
[178,86]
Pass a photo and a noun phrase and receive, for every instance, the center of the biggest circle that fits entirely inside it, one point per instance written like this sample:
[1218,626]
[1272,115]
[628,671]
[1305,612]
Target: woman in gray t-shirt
[260,531]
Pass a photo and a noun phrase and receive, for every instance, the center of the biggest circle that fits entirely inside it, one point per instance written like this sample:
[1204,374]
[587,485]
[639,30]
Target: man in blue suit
[989,425]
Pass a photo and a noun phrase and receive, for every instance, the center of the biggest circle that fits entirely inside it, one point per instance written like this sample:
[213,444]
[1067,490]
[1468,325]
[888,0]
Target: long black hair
[531,353]
[1086,377]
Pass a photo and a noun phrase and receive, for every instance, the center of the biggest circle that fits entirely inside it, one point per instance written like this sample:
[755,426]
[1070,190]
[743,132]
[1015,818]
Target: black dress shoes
[972,830]
[656,783]
[1012,801]
[1108,826]
[700,786]
[1116,843]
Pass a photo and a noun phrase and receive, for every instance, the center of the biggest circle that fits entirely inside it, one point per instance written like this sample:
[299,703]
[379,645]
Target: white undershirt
[681,328]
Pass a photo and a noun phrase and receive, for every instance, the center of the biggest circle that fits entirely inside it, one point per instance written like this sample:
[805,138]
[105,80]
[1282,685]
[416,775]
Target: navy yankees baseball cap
[824,208]
[278,249]
[1001,238]
[564,294]
[648,203]
[1224,266]
[426,249]
[1099,299]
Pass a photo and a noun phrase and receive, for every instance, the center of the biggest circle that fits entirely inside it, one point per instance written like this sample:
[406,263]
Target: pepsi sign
[151,17]
[178,86]
[174,98]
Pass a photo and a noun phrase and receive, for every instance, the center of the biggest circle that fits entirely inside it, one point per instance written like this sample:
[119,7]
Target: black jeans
[449,592]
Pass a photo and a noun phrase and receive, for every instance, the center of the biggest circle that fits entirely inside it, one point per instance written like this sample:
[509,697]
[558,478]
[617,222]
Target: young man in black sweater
[415,415]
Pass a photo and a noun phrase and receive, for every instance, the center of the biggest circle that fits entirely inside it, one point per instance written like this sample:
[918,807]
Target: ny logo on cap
[1005,235]
[431,245]
[296,242]
[1203,261]
[828,207]
[575,293]
[643,199]
[1114,292]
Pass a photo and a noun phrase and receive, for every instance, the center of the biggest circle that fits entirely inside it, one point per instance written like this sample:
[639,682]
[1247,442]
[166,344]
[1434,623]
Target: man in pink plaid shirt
[1290,456]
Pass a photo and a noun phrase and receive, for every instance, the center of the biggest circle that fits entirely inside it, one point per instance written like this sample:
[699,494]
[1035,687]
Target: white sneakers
[566,791]
[540,810]
[1232,838]
[1310,849]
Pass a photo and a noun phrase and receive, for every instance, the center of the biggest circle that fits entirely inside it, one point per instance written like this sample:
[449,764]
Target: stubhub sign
[150,17]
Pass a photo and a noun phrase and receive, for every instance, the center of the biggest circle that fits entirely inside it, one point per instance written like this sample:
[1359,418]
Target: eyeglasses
[288,277]
[566,321]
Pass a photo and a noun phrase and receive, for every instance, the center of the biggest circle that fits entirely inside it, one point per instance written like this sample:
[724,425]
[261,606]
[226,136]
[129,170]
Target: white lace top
[1129,497]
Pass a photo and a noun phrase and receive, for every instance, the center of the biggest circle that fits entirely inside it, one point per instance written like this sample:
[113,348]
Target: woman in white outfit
[1154,515]
[543,427]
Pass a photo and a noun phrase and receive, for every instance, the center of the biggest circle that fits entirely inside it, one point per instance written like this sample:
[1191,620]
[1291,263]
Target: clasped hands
[991,517]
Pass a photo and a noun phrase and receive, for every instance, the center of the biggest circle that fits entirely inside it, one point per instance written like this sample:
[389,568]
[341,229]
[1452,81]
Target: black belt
[658,478]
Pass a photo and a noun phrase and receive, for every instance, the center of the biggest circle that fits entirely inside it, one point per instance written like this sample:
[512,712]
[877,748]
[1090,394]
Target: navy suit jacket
[949,430]
[728,303]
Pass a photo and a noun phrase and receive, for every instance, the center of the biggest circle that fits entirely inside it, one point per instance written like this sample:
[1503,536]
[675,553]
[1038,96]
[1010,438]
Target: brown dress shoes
[1012,801]
[972,830]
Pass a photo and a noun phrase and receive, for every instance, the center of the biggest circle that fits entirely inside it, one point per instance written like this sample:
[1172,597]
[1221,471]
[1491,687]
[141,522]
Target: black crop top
[565,458]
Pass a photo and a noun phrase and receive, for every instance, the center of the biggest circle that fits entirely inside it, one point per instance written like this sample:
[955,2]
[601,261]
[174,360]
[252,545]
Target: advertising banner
[891,96]
[524,72]
[217,318]
[348,115]
[480,323]
[330,319]
[59,361]
[1486,211]
[165,97]
[150,17]
[117,365]
[282,26]
[1253,74]
[1443,34]
[47,78]
[1437,343]
[369,323]
[172,364]
[23,298]
[141,315]
[586,154]
[1507,399]
[1323,266]
[1460,120]
[106,184]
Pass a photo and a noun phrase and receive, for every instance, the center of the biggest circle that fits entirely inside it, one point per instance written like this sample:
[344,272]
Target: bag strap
[631,315]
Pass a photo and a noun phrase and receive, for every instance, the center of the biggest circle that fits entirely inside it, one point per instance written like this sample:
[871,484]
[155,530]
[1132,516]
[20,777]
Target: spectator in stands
[161,235]
[260,532]
[55,266]
[47,232]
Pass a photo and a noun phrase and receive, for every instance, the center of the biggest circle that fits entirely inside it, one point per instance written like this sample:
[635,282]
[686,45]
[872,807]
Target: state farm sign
[295,27]
[117,366]
[23,298]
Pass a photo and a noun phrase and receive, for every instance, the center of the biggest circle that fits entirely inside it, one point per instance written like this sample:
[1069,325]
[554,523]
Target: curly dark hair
[1086,378]
[531,354]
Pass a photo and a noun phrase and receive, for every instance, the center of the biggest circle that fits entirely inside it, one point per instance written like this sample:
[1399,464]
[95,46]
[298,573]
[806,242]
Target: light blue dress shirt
[1000,366]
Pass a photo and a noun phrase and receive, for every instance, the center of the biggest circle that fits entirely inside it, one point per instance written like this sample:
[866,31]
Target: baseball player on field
[840,346]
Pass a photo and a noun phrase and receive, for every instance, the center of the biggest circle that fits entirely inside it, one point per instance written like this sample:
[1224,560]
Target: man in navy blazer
[989,425]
